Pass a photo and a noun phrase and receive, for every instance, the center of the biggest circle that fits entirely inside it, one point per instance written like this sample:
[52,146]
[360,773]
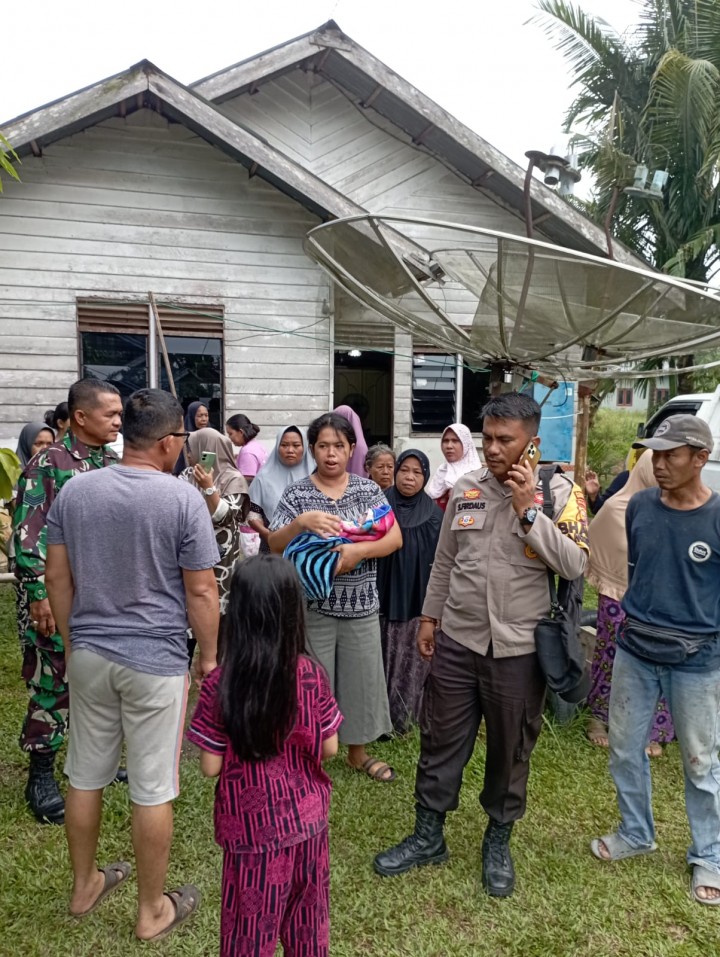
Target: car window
[676,408]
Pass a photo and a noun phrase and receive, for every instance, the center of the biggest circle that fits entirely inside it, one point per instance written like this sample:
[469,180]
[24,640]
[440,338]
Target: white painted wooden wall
[138,204]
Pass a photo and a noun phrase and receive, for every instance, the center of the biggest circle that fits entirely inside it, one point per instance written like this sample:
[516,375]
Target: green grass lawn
[566,904]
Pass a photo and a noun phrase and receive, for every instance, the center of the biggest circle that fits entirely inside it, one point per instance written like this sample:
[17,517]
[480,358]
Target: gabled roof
[333,55]
[145,86]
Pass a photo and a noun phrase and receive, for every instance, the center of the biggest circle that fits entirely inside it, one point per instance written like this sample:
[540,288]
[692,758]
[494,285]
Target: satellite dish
[506,299]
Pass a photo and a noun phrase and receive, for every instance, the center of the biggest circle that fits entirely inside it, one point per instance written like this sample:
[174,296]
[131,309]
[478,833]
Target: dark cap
[679,430]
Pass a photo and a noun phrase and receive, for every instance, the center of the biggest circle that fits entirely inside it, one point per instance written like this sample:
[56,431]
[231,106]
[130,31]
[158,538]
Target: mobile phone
[531,454]
[207,460]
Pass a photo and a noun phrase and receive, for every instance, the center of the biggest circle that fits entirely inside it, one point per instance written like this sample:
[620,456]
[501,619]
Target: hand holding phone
[530,454]
[207,461]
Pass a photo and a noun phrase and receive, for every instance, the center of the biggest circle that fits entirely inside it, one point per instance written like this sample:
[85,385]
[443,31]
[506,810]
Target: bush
[610,440]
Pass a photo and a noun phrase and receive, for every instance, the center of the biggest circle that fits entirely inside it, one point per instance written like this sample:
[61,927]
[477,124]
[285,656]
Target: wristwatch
[209,491]
[529,515]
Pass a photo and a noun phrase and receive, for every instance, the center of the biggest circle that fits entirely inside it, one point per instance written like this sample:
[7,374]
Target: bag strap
[548,506]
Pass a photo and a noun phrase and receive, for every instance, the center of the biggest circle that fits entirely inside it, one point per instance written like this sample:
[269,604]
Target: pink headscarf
[357,459]
[449,472]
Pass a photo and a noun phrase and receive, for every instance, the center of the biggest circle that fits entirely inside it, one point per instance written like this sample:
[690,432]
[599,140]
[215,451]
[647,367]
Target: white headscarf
[274,477]
[449,472]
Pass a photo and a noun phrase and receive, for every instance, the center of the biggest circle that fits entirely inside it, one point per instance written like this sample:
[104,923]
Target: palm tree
[650,96]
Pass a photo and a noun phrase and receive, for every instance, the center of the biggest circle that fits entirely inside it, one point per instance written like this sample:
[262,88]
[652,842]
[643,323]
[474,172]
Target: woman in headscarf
[34,437]
[196,417]
[460,455]
[356,465]
[607,571]
[290,461]
[226,494]
[402,581]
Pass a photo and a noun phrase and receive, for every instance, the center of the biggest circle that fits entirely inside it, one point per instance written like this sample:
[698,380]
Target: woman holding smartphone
[212,470]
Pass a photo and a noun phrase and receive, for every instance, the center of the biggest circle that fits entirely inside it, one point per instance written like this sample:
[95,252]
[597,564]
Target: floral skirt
[405,671]
[610,618]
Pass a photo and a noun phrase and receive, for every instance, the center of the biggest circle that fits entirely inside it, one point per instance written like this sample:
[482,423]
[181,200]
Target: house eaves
[371,84]
[144,86]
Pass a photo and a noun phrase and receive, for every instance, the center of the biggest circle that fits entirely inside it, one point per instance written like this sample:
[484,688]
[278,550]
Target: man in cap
[670,645]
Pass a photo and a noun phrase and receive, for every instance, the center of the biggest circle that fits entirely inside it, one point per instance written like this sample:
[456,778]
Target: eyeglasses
[175,435]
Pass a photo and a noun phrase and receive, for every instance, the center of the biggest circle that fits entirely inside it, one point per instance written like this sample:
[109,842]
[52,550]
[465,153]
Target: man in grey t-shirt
[130,565]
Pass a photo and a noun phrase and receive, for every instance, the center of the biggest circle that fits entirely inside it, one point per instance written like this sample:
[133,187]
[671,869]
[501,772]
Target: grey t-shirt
[129,535]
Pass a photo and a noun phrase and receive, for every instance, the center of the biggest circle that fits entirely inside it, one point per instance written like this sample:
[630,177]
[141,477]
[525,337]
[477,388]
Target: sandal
[115,875]
[618,848]
[597,733]
[186,900]
[380,772]
[702,877]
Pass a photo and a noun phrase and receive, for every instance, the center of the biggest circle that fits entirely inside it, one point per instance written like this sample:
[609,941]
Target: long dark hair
[264,632]
[241,423]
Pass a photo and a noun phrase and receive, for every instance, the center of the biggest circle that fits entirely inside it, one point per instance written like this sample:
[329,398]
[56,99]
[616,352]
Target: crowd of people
[403,598]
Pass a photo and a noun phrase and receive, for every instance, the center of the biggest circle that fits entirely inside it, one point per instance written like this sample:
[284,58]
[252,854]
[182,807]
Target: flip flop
[186,900]
[702,877]
[618,848]
[115,875]
[377,774]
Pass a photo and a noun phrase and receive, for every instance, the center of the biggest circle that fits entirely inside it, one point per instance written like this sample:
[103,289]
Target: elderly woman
[288,462]
[402,581]
[380,465]
[343,630]
[460,456]
[226,495]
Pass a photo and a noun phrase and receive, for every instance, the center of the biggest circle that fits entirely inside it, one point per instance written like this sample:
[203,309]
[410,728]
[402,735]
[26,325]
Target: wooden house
[201,195]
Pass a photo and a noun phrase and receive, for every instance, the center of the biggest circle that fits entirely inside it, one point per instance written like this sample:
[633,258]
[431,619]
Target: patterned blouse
[268,805]
[227,521]
[354,594]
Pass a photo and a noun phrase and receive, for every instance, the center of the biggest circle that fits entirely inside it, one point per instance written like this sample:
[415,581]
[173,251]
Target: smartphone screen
[531,454]
[207,460]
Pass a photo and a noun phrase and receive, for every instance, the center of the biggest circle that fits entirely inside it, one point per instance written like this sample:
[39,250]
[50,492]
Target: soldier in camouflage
[95,419]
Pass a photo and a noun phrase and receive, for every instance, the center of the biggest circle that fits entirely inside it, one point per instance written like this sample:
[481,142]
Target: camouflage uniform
[43,658]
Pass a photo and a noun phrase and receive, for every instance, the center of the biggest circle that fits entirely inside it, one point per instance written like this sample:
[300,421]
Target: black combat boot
[425,846]
[42,792]
[498,872]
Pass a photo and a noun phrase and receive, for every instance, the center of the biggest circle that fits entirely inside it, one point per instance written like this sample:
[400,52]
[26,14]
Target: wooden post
[581,435]
[163,347]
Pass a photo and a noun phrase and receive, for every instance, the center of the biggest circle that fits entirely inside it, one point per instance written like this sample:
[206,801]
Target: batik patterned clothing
[354,594]
[43,667]
[609,620]
[277,894]
[271,820]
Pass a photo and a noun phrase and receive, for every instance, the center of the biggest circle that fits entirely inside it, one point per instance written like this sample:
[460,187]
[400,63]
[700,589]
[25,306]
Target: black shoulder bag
[557,637]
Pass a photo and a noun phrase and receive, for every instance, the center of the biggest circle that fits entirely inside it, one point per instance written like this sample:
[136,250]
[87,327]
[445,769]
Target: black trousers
[464,687]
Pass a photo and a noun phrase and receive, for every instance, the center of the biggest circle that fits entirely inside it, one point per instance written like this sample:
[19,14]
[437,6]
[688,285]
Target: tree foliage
[8,158]
[652,96]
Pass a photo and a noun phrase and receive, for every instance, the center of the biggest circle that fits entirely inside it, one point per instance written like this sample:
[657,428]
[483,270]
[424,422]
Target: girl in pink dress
[265,721]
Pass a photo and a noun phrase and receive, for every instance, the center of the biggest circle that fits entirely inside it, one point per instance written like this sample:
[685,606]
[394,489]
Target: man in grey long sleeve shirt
[487,591]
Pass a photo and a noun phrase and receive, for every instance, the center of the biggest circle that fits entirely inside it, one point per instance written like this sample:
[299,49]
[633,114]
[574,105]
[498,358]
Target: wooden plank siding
[363,156]
[138,204]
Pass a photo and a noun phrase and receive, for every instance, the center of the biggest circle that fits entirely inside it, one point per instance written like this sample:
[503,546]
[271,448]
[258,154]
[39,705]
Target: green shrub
[610,439]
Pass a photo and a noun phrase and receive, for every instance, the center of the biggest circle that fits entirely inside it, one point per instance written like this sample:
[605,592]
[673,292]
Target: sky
[479,59]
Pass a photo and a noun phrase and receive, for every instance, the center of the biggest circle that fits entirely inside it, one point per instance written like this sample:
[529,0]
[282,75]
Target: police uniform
[489,588]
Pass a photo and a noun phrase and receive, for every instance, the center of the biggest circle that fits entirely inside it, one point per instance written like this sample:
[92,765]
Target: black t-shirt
[674,568]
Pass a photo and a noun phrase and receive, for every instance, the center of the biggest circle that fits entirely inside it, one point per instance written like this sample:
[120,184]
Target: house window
[660,397]
[624,398]
[116,346]
[434,395]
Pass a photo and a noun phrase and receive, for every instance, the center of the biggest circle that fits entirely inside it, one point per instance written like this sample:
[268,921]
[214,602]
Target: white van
[706,405]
